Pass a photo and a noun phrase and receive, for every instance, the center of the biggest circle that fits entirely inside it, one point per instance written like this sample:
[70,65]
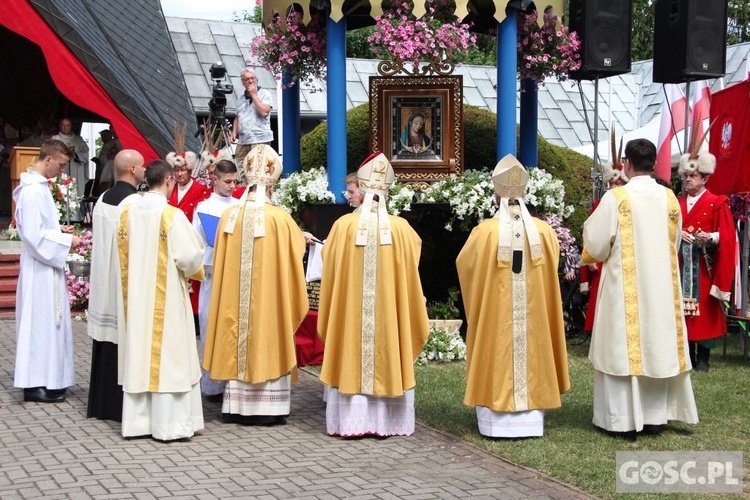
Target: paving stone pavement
[53,451]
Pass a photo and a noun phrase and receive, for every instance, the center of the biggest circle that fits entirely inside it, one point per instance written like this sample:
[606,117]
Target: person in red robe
[707,233]
[590,273]
[186,195]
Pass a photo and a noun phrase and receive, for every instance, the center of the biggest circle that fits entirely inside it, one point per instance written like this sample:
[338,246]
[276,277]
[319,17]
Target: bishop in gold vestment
[516,362]
[258,300]
[372,315]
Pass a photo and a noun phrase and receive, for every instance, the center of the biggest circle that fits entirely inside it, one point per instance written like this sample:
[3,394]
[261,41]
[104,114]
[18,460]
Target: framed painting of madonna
[417,123]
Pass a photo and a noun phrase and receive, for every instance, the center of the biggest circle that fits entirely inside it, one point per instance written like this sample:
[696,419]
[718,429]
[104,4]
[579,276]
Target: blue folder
[210,224]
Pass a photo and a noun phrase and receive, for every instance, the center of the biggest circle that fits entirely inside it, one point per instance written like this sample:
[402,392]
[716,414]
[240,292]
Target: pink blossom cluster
[78,292]
[290,45]
[549,51]
[739,204]
[436,36]
[564,236]
[84,249]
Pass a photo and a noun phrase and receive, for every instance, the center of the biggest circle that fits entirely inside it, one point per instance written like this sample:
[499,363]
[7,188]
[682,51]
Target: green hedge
[480,139]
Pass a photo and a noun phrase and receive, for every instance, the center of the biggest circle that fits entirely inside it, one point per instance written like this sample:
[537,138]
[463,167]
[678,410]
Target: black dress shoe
[41,395]
[653,430]
[56,392]
[701,366]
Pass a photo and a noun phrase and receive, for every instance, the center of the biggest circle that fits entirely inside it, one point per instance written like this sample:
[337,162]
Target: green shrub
[314,145]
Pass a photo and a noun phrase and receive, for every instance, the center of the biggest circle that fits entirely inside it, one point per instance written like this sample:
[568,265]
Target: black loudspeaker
[604,27]
[690,40]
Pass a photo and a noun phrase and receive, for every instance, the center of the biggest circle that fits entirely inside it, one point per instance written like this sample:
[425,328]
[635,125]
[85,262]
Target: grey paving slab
[53,451]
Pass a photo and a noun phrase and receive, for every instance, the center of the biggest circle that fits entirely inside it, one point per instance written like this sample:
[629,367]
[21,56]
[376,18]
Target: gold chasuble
[516,359]
[259,296]
[372,314]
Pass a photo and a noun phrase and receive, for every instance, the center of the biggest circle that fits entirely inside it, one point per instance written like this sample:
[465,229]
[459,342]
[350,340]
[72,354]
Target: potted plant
[549,51]
[446,314]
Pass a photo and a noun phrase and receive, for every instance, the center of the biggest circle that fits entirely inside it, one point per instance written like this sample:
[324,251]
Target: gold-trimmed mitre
[510,178]
[262,168]
[375,176]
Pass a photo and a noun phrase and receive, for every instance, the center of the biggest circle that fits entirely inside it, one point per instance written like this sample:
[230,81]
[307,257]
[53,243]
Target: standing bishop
[158,366]
[372,315]
[258,299]
[516,359]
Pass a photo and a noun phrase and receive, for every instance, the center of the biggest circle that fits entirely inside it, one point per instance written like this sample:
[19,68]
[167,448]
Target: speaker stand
[597,175]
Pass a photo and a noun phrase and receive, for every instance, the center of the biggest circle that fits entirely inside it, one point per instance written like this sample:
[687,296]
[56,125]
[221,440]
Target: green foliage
[642,47]
[738,24]
[480,138]
[313,146]
[256,16]
[446,309]
[357,44]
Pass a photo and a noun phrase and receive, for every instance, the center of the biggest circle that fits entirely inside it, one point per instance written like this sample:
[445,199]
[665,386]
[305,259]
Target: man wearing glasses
[252,124]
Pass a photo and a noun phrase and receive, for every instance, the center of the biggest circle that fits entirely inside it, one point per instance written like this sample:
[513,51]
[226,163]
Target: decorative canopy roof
[361,13]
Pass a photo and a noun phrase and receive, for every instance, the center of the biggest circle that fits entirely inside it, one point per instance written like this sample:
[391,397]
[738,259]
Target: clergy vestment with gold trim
[639,341]
[158,366]
[258,300]
[515,342]
[373,321]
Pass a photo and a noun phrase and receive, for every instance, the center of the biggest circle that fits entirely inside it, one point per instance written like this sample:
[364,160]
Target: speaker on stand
[690,43]
[604,28]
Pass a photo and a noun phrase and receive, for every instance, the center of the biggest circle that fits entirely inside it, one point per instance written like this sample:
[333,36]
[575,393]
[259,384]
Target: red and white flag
[673,111]
[700,108]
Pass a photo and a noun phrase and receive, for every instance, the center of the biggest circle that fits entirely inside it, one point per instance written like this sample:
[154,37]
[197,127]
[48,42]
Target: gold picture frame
[417,122]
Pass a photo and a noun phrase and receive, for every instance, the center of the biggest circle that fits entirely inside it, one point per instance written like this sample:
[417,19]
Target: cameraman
[252,125]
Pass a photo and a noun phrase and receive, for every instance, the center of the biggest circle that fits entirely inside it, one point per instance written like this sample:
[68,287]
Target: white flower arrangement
[303,188]
[547,194]
[63,186]
[442,346]
[400,197]
[471,197]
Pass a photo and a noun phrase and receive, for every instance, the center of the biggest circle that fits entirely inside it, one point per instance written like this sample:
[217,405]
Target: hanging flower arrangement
[739,204]
[549,51]
[291,45]
[434,37]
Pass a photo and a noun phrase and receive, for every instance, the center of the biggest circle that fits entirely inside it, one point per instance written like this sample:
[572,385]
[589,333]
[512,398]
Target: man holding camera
[252,124]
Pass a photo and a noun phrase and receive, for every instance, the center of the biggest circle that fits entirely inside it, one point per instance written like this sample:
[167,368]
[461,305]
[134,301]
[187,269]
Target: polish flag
[672,121]
[700,106]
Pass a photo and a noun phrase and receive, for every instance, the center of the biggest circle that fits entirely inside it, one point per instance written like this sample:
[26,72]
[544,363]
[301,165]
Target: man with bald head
[79,163]
[105,298]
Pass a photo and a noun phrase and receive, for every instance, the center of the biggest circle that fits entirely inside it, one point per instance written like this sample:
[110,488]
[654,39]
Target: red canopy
[70,76]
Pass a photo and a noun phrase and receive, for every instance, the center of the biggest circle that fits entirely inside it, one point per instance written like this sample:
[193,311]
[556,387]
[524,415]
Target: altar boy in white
[44,334]
[158,358]
[225,180]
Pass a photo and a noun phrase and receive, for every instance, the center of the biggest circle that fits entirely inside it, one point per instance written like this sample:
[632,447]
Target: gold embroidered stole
[519,311]
[674,217]
[246,286]
[160,293]
[629,281]
[369,290]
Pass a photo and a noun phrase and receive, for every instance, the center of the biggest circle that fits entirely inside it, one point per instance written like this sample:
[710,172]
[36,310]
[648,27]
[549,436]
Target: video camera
[218,103]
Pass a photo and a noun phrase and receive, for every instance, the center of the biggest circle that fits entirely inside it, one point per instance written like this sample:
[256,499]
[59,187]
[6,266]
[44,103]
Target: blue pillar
[291,126]
[507,40]
[336,80]
[529,156]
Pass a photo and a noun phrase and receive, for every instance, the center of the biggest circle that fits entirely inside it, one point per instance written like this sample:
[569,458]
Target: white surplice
[158,354]
[105,271]
[44,333]
[79,170]
[639,330]
[213,205]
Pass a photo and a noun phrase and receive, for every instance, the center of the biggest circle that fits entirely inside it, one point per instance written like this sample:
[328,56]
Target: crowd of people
[152,251]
